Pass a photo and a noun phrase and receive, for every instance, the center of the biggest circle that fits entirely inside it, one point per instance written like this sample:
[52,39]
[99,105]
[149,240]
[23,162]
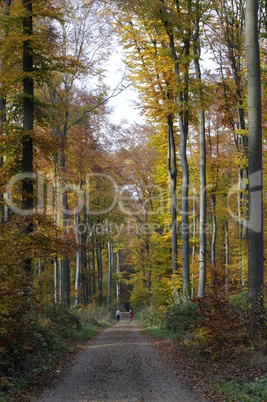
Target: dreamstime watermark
[130,201]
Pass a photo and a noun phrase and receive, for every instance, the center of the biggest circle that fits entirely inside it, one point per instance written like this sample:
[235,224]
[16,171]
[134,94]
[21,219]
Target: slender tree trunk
[202,142]
[183,124]
[214,231]
[100,269]
[65,208]
[40,272]
[27,142]
[54,202]
[93,266]
[56,280]
[194,246]
[110,268]
[255,242]
[227,259]
[89,274]
[60,280]
[202,207]
[2,120]
[194,231]
[78,262]
[85,273]
[185,220]
[172,169]
[5,7]
[118,286]
[147,244]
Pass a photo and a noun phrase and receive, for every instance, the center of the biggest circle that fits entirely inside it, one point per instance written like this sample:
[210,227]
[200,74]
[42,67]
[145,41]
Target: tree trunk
[55,280]
[227,259]
[40,272]
[202,208]
[93,266]
[100,270]
[194,246]
[60,280]
[183,124]
[147,246]
[255,238]
[110,267]
[202,189]
[118,287]
[54,202]
[78,261]
[89,274]
[172,170]
[27,143]
[65,208]
[85,273]
[214,231]
[77,278]
[3,116]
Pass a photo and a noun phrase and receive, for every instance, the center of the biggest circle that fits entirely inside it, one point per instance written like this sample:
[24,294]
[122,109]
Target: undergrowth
[162,333]
[244,391]
[44,336]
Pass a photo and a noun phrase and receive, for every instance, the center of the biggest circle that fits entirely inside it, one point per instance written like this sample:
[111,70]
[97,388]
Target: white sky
[124,108]
[123,104]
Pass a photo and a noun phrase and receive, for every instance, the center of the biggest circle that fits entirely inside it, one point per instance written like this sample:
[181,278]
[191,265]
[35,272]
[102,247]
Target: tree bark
[255,238]
[85,273]
[56,280]
[172,170]
[118,287]
[78,261]
[65,208]
[28,110]
[3,116]
[183,124]
[110,268]
[60,279]
[100,269]
[227,259]
[214,230]
[202,171]
[93,266]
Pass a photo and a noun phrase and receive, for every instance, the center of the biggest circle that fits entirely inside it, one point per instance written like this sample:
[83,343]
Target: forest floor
[123,364]
[119,364]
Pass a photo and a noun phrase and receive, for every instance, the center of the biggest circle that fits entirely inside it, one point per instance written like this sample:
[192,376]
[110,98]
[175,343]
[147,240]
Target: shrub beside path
[119,364]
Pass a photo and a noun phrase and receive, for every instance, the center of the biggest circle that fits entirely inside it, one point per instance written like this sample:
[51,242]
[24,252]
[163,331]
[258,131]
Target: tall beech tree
[181,34]
[231,19]
[255,268]
[28,110]
[202,172]
[147,39]
[4,10]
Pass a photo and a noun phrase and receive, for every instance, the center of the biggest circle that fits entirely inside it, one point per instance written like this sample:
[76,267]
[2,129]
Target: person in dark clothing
[118,315]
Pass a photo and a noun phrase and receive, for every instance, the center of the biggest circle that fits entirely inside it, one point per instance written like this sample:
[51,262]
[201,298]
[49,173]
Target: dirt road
[120,364]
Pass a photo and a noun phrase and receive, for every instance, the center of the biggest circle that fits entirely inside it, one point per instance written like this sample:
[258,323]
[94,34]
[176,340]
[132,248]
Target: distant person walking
[130,315]
[118,315]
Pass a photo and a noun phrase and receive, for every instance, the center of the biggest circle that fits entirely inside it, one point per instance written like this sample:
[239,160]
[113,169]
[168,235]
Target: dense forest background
[159,216]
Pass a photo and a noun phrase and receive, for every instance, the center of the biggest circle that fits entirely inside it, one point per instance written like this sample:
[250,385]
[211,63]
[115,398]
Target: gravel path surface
[120,364]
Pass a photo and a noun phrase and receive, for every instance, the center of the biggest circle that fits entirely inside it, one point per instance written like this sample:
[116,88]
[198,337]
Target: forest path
[119,364]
